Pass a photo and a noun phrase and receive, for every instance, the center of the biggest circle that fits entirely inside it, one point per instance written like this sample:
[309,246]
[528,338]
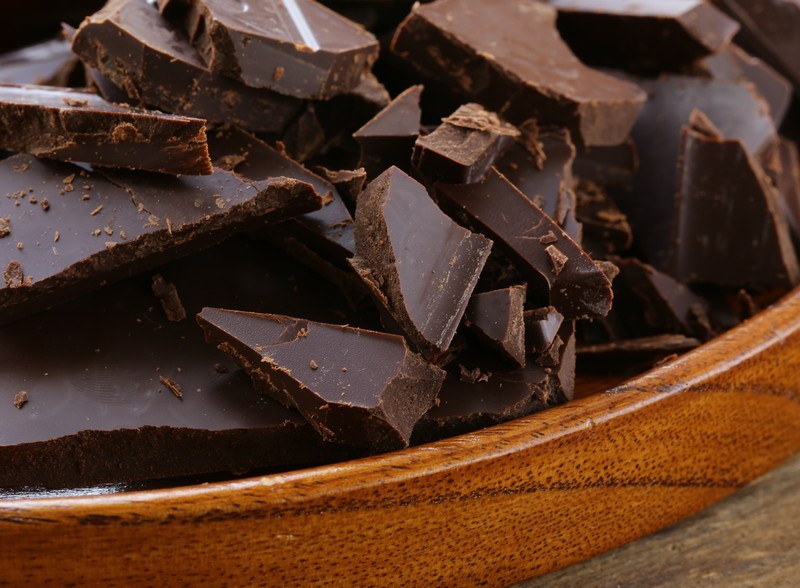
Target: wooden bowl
[494,507]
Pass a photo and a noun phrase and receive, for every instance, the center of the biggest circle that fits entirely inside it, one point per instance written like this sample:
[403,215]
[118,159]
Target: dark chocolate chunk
[97,412]
[349,183]
[74,125]
[735,108]
[463,148]
[640,353]
[748,244]
[496,318]
[559,271]
[605,228]
[101,228]
[295,47]
[783,168]
[648,36]
[541,328]
[50,63]
[130,43]
[515,63]
[388,138]
[355,387]
[167,294]
[419,265]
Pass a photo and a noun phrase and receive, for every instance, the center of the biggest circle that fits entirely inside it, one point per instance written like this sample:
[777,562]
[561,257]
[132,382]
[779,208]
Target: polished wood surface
[491,508]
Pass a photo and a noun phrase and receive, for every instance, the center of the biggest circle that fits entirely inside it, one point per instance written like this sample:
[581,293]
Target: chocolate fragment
[419,265]
[496,318]
[541,328]
[349,183]
[50,63]
[75,125]
[167,294]
[97,411]
[153,63]
[114,224]
[5,227]
[515,64]
[635,353]
[295,47]
[375,402]
[388,138]
[463,148]
[782,165]
[754,232]
[560,272]
[605,228]
[20,399]
[172,386]
[649,37]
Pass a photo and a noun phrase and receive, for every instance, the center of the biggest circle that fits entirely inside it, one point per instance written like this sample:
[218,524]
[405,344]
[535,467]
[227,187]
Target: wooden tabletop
[750,539]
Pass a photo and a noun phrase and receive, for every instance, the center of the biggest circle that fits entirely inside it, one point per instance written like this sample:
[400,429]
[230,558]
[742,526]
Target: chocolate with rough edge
[559,271]
[50,63]
[355,387]
[605,228]
[73,231]
[388,138]
[715,172]
[348,182]
[129,42]
[496,318]
[295,47]
[643,36]
[463,148]
[541,327]
[782,165]
[419,265]
[75,125]
[510,58]
[97,412]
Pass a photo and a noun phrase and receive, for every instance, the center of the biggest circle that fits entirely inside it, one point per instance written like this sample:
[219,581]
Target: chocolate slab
[295,47]
[75,125]
[388,138]
[496,319]
[560,272]
[354,386]
[463,148]
[734,108]
[71,230]
[748,244]
[50,63]
[649,36]
[515,63]
[97,412]
[419,265]
[129,42]
[736,65]
[541,327]
[605,228]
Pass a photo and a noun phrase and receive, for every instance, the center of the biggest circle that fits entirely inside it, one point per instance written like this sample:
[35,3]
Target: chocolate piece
[97,411]
[20,399]
[74,125]
[783,168]
[643,36]
[611,168]
[496,318]
[388,138]
[560,272]
[349,183]
[736,65]
[140,52]
[541,328]
[639,354]
[605,227]
[295,47]
[419,265]
[50,63]
[354,386]
[734,108]
[769,30]
[167,294]
[714,173]
[463,148]
[515,63]
[101,228]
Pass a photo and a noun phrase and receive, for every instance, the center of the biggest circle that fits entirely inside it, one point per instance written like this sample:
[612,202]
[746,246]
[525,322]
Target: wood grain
[491,508]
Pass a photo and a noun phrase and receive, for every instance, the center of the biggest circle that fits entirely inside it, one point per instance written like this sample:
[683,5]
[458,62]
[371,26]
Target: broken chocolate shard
[605,228]
[646,37]
[419,265]
[496,318]
[296,47]
[715,172]
[541,327]
[49,63]
[734,108]
[144,219]
[783,168]
[129,42]
[635,354]
[485,64]
[349,183]
[172,386]
[463,148]
[375,402]
[75,125]
[167,294]
[559,271]
[388,138]
[94,412]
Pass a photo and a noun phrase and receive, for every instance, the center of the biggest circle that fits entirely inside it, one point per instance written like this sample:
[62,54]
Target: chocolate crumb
[172,386]
[85,197]
[45,204]
[96,211]
[5,226]
[21,399]
[33,199]
[557,258]
[344,369]
[278,73]
[95,233]
[221,368]
[548,237]
[69,179]
[313,364]
[69,188]
[56,236]
[19,245]
[110,244]
[167,294]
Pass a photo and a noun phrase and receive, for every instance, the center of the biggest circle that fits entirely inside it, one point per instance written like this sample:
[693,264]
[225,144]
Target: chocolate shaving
[167,294]
[558,259]
[172,386]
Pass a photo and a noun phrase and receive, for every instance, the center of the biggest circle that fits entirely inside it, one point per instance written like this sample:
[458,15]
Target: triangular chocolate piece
[496,318]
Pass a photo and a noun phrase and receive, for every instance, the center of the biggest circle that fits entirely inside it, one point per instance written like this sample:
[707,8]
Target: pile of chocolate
[225,248]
